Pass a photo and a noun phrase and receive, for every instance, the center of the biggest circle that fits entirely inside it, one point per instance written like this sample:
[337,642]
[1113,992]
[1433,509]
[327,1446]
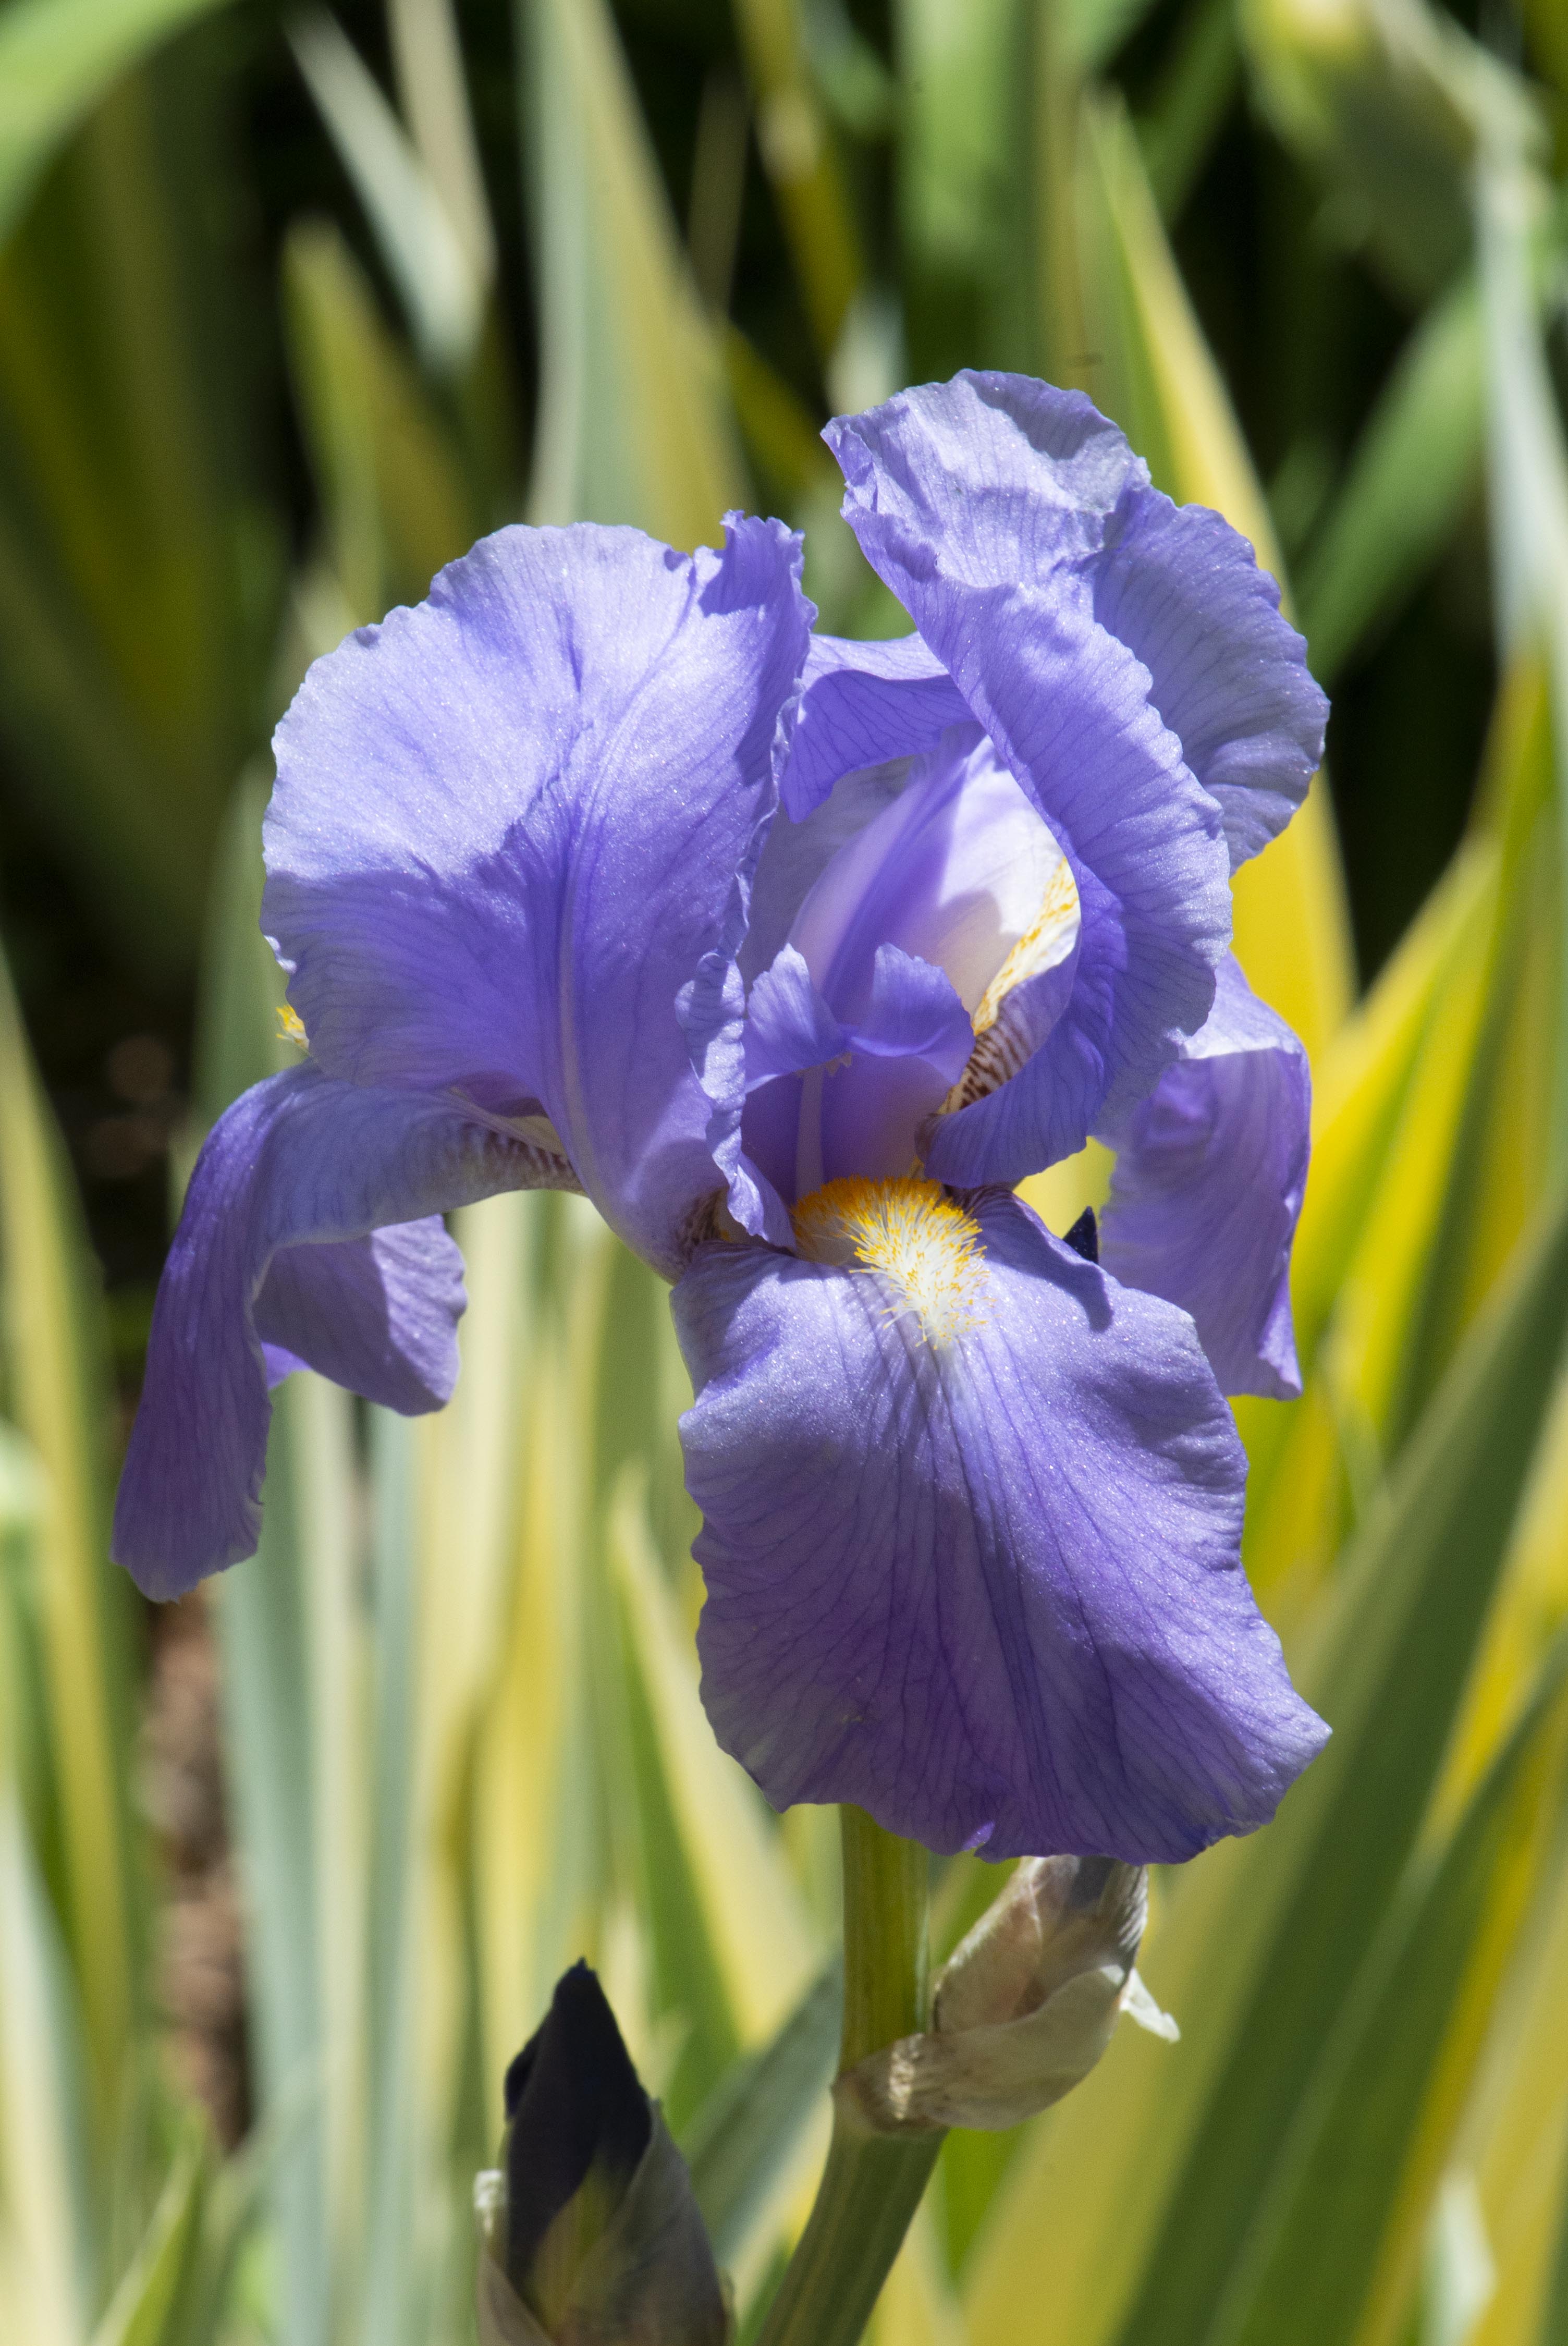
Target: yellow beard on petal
[291,1027]
[927,1247]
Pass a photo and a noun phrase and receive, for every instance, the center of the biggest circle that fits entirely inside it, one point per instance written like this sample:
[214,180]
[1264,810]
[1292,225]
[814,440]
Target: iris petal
[304,1163]
[376,1314]
[1228,675]
[861,704]
[1175,584]
[830,1097]
[788,1026]
[512,825]
[977,1569]
[914,1013]
[983,504]
[954,870]
[796,854]
[1207,1187]
[909,1046]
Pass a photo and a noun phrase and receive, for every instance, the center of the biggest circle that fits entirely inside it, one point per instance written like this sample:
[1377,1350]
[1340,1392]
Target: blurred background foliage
[294,305]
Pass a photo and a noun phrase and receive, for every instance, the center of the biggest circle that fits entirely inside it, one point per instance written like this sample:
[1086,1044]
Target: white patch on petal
[1048,940]
[956,872]
[1002,1044]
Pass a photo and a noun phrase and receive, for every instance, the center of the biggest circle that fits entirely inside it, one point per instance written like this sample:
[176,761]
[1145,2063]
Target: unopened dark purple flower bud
[591,2234]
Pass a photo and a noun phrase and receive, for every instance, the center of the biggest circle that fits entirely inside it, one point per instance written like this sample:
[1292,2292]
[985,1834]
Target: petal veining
[985,503]
[274,1267]
[512,825]
[1209,1182]
[1228,673]
[955,871]
[829,1097]
[988,1587]
[861,704]
[1027,994]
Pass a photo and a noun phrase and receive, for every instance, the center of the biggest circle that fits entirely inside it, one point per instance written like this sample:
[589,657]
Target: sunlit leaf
[146,2307]
[633,425]
[1339,2173]
[56,1384]
[299,1833]
[1384,1281]
[1491,1190]
[292,1708]
[427,252]
[46,2249]
[752,1909]
[537,1822]
[1362,1094]
[427,53]
[393,490]
[1528,472]
[58,57]
[797,153]
[1416,465]
[1516,2139]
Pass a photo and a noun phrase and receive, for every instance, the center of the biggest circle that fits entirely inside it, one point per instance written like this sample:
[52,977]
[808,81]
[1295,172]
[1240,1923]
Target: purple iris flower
[599,871]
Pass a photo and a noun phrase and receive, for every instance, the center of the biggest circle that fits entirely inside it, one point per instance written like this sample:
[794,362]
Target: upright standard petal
[861,705]
[271,1268]
[953,871]
[984,503]
[1207,1187]
[511,826]
[1175,584]
[972,1519]
[1183,590]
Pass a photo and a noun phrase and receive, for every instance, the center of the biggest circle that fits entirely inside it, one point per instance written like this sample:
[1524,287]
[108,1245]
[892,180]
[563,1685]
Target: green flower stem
[885,1949]
[872,2184]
